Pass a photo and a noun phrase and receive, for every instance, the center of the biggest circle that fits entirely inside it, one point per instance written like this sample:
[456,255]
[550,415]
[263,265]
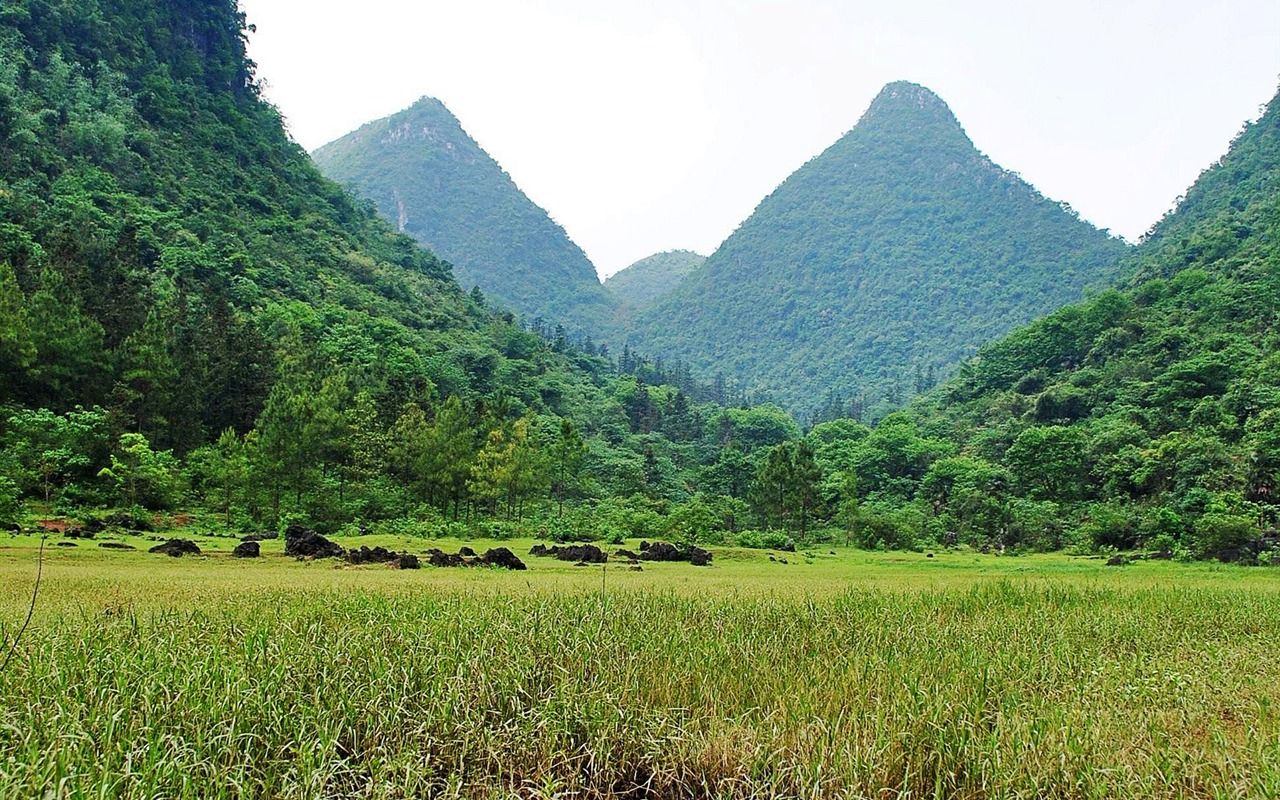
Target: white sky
[648,125]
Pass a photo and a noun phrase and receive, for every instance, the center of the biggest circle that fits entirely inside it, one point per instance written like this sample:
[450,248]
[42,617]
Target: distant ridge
[649,279]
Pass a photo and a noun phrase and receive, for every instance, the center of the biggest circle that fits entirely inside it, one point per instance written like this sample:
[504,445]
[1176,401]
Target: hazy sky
[648,125]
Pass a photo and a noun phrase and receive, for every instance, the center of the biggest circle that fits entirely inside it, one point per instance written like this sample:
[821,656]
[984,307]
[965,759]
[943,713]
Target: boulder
[699,557]
[439,558]
[116,546]
[1117,561]
[67,544]
[405,561]
[247,550]
[502,557]
[305,543]
[466,552]
[177,548]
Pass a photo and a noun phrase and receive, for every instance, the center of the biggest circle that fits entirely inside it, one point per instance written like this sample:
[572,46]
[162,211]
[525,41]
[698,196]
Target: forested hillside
[643,283]
[878,266]
[193,320]
[1150,413]
[191,315]
[434,182]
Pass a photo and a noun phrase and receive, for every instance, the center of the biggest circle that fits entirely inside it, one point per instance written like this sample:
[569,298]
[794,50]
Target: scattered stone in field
[788,547]
[1163,555]
[374,555]
[11,527]
[67,544]
[643,545]
[1117,561]
[501,557]
[177,548]
[577,552]
[466,552]
[636,568]
[75,533]
[116,546]
[247,550]
[405,561]
[833,552]
[129,522]
[306,543]
[665,551]
[627,554]
[928,555]
[783,561]
[439,558]
[582,564]
[771,558]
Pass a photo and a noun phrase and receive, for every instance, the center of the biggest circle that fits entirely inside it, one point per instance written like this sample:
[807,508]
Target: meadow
[840,674]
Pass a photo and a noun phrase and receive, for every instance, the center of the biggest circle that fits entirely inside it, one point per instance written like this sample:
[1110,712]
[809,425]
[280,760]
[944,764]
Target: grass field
[877,675]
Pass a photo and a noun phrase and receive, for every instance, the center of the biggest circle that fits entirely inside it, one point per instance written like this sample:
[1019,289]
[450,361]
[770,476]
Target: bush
[9,505]
[765,540]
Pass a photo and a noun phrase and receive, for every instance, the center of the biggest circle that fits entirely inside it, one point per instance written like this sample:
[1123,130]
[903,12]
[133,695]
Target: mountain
[891,256]
[434,182]
[644,282]
[1149,414]
[169,254]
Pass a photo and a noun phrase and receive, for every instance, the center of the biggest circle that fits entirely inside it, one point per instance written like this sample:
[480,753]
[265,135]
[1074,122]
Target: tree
[17,350]
[144,477]
[567,454]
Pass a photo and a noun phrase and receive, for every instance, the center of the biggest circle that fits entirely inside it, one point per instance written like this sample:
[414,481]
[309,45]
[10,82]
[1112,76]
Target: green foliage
[647,281]
[426,175]
[142,476]
[878,266]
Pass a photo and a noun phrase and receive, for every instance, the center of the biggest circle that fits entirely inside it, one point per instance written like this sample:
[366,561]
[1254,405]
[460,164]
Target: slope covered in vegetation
[430,178]
[645,282]
[1151,413]
[883,261]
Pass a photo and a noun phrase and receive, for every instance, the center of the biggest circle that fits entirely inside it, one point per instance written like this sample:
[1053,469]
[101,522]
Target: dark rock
[783,561]
[627,554]
[67,544]
[94,525]
[374,555]
[1163,555]
[439,558]
[116,546]
[662,551]
[466,551]
[582,564]
[665,551]
[405,561]
[789,547]
[502,557]
[177,548]
[771,558]
[928,555]
[833,552]
[73,532]
[636,568]
[247,550]
[305,543]
[577,552]
[10,527]
[1117,561]
[643,546]
[129,522]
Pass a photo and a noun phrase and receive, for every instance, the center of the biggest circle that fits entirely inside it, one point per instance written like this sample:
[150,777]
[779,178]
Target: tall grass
[1002,689]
